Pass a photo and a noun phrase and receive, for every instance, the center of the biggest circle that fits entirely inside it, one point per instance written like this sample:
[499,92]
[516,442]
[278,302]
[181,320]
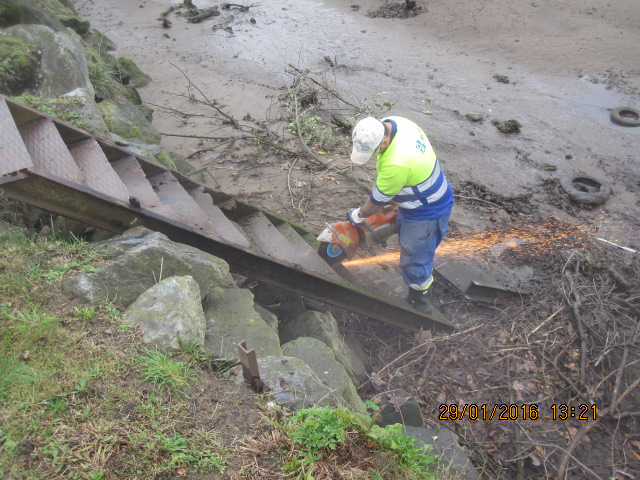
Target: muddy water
[434,68]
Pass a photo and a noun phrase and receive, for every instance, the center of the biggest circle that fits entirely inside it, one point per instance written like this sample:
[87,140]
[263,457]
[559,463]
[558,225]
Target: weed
[19,63]
[161,370]
[85,313]
[104,81]
[320,428]
[391,437]
[125,328]
[182,454]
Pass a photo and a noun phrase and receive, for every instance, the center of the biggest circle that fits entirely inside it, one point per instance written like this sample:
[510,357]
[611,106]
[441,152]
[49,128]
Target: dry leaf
[398,402]
[285,166]
[422,336]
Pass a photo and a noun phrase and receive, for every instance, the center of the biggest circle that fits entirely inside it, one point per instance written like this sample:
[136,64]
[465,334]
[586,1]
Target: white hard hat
[366,136]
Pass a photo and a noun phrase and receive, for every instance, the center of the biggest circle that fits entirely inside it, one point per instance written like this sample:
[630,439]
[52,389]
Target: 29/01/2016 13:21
[524,411]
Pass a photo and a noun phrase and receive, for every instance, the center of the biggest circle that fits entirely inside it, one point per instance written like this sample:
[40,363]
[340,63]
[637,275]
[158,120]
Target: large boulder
[63,65]
[291,383]
[140,259]
[323,326]
[128,121]
[170,314]
[320,358]
[231,319]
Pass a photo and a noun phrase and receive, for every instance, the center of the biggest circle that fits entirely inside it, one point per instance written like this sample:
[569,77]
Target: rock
[128,121]
[63,66]
[475,117]
[291,383]
[88,110]
[136,76]
[169,313]
[320,358]
[398,406]
[9,233]
[21,64]
[324,327]
[508,126]
[141,258]
[231,319]
[445,443]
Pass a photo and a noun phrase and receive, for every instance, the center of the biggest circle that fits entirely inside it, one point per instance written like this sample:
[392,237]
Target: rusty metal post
[250,370]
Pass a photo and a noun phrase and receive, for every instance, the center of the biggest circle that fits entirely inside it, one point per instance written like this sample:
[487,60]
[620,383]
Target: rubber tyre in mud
[626,116]
[585,190]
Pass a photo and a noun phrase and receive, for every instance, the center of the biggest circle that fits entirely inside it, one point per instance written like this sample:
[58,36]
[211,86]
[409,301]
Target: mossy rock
[147,112]
[10,14]
[164,158]
[181,164]
[19,64]
[79,25]
[132,94]
[137,76]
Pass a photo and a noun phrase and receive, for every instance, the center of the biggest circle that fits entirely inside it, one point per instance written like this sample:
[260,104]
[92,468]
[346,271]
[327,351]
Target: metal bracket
[250,370]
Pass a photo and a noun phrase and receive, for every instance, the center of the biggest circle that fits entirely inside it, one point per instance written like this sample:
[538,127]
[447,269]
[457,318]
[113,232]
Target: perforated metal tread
[132,175]
[223,227]
[172,193]
[14,153]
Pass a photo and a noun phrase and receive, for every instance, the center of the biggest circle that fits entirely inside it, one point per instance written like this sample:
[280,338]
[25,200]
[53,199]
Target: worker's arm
[369,208]
[358,215]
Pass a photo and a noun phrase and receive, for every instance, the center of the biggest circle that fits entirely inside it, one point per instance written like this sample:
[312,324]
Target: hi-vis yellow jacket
[409,174]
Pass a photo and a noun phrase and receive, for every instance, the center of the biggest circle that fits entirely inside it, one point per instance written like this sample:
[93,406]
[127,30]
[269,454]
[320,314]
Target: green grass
[63,108]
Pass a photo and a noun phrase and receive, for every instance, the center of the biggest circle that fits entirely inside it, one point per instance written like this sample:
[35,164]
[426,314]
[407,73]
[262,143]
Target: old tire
[626,116]
[585,190]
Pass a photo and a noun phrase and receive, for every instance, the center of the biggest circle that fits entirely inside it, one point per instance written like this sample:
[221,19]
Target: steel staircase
[49,164]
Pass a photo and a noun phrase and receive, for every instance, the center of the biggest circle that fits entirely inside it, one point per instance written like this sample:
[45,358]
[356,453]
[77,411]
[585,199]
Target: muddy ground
[555,68]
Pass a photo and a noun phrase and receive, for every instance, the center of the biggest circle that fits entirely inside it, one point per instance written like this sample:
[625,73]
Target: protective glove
[355,217]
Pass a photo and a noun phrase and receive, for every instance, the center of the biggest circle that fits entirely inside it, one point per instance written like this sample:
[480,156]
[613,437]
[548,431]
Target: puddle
[596,100]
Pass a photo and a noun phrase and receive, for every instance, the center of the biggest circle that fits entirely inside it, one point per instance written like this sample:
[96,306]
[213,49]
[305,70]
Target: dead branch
[317,159]
[328,90]
[207,102]
[576,304]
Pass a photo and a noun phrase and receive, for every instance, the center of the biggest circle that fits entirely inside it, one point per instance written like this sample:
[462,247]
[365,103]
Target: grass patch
[81,396]
[62,107]
[19,63]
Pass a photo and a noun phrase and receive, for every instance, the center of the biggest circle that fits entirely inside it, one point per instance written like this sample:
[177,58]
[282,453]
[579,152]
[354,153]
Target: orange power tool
[340,241]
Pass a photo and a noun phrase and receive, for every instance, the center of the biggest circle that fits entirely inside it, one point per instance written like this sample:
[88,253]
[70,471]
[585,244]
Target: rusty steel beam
[90,207]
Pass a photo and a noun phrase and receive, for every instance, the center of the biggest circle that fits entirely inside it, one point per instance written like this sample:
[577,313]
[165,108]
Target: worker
[409,175]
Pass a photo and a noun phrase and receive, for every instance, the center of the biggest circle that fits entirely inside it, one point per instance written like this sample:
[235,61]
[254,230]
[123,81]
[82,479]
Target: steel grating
[98,173]
[49,152]
[14,156]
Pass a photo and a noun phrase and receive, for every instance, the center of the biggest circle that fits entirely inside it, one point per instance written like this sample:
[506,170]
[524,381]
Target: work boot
[420,299]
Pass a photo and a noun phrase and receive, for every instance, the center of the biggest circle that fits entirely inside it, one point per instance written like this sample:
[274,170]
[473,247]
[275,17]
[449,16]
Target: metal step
[132,175]
[98,188]
[13,152]
[97,170]
[264,234]
[49,152]
[304,250]
[224,227]
[172,193]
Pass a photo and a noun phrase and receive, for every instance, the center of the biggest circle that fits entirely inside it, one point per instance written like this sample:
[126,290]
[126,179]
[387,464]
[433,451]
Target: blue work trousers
[418,242]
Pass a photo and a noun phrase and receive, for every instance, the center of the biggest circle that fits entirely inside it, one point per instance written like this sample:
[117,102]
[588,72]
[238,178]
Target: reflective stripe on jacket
[409,174]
